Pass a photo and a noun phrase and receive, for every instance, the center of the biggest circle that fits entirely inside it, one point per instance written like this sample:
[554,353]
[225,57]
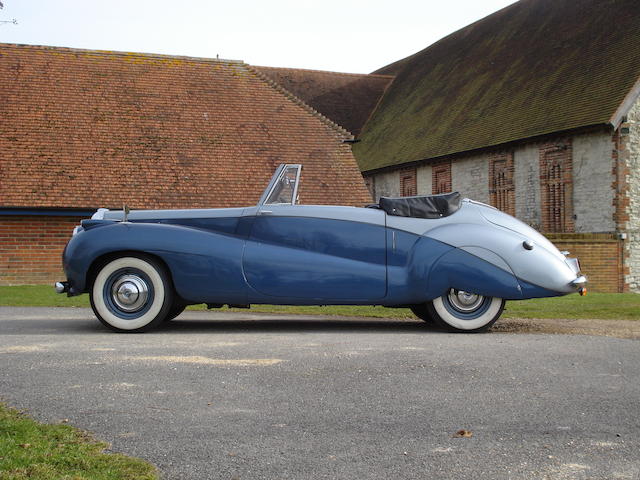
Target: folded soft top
[423,206]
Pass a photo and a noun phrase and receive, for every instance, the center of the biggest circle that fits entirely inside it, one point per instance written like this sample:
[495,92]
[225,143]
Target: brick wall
[600,256]
[501,187]
[408,182]
[31,248]
[441,178]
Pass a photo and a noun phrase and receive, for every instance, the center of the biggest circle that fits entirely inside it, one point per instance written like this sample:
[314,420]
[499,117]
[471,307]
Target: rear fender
[463,271]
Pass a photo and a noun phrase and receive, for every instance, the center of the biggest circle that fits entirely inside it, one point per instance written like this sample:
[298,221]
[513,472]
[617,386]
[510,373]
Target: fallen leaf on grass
[25,445]
[463,434]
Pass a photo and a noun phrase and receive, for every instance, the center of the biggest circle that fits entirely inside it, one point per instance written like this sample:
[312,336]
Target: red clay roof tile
[83,128]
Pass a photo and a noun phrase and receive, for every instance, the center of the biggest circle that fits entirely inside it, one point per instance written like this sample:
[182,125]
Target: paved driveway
[251,396]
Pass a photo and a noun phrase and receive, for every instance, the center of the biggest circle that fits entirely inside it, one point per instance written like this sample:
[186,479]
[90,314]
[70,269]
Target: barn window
[441,178]
[408,182]
[501,186]
[556,187]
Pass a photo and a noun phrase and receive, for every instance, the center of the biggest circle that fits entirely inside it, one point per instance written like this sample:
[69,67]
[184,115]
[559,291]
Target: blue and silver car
[452,261]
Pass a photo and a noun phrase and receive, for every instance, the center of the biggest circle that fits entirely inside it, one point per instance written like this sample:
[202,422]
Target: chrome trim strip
[99,215]
[295,187]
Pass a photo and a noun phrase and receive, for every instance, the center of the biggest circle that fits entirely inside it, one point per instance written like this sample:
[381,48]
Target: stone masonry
[632,160]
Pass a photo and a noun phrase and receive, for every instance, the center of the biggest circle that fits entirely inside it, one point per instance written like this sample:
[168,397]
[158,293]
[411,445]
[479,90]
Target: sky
[357,36]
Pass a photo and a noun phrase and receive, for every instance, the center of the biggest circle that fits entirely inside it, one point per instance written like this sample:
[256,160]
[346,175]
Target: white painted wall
[526,177]
[593,194]
[424,180]
[386,185]
[470,177]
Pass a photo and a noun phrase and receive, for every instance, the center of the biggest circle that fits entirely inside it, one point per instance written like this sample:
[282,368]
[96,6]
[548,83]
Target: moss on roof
[533,68]
[346,98]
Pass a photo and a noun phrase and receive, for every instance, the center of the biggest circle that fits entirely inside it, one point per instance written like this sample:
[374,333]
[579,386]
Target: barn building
[535,110]
[86,129]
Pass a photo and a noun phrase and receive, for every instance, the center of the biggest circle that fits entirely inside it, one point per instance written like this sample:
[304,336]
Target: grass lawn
[606,306]
[31,450]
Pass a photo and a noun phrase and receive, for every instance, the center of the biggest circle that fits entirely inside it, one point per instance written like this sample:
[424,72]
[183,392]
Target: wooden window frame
[408,182]
[556,187]
[441,178]
[502,194]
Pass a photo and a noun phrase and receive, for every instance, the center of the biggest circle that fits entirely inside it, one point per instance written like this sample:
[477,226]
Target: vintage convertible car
[453,261]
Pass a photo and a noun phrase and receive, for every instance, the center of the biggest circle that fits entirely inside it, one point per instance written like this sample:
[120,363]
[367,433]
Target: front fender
[205,266]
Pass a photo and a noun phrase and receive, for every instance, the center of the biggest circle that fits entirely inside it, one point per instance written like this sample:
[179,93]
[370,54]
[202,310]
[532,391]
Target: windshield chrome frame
[275,179]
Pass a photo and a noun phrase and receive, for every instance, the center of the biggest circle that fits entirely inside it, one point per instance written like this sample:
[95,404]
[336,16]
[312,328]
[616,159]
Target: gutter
[47,212]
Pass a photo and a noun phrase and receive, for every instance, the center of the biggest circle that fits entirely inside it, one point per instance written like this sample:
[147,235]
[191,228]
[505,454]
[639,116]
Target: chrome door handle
[266,212]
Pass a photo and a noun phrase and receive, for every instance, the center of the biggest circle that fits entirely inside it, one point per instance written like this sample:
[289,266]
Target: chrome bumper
[579,282]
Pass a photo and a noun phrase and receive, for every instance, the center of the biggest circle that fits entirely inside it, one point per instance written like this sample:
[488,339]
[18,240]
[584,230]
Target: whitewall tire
[460,311]
[132,294]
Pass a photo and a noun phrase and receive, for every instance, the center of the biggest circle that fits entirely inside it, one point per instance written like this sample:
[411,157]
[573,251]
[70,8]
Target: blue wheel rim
[463,315]
[111,304]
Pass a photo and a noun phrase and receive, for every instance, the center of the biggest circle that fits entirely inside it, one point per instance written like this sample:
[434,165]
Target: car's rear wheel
[460,311]
[132,294]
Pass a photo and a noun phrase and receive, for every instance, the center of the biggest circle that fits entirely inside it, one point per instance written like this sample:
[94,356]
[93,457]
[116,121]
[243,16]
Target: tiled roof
[346,98]
[83,128]
[533,68]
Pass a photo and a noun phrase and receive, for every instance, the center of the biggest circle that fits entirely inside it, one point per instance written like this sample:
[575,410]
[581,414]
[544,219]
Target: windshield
[285,189]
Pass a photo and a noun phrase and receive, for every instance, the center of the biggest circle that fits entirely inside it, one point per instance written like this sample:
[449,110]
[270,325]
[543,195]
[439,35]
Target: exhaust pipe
[61,287]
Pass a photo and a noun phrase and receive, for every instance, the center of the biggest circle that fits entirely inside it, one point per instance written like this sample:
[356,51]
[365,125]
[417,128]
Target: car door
[316,254]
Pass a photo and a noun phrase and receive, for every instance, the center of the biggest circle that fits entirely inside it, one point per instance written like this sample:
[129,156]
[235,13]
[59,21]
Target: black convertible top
[422,206]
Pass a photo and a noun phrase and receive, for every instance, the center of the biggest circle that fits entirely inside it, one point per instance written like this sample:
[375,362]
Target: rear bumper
[579,282]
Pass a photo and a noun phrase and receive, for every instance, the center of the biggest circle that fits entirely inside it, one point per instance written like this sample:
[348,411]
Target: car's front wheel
[460,311]
[422,312]
[132,294]
[176,309]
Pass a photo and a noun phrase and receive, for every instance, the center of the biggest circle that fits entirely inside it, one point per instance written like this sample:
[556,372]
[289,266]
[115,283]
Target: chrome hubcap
[464,301]
[129,293]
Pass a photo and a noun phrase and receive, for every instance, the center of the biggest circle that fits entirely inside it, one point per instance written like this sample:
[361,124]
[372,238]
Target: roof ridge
[119,53]
[311,70]
[294,98]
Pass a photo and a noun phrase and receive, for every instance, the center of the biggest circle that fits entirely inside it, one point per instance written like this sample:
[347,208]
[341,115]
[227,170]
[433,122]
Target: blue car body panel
[315,258]
[296,261]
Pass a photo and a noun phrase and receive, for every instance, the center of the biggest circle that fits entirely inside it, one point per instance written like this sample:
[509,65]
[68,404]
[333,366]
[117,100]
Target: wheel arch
[105,258]
[464,271]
